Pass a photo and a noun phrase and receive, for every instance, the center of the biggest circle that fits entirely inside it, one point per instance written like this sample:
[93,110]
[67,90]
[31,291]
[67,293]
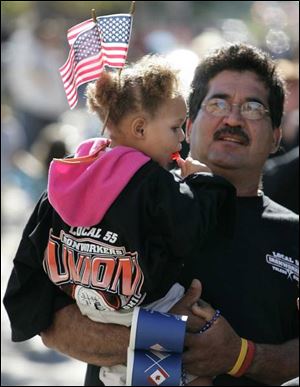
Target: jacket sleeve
[31,299]
[189,210]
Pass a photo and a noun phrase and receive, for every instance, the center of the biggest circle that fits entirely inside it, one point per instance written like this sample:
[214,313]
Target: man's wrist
[274,364]
[244,360]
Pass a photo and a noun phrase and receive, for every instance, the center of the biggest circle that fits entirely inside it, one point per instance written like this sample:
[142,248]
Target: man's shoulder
[274,209]
[292,382]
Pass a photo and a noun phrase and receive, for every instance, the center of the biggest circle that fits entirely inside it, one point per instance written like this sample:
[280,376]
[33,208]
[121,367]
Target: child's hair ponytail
[144,86]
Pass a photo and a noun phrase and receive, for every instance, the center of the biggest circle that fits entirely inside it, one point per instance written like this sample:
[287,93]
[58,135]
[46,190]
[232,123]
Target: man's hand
[214,351]
[184,307]
[210,353]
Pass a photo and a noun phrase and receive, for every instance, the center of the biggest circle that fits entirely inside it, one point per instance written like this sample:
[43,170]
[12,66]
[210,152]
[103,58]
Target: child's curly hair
[144,86]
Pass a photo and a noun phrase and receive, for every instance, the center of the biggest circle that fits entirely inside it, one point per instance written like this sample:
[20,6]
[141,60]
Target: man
[235,112]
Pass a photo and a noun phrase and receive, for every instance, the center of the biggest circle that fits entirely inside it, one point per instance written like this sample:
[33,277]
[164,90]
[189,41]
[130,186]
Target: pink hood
[81,189]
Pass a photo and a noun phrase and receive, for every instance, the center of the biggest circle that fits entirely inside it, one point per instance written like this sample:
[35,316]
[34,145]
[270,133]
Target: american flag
[93,46]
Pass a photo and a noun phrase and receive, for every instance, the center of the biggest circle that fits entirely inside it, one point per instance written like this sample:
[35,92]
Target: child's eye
[175,128]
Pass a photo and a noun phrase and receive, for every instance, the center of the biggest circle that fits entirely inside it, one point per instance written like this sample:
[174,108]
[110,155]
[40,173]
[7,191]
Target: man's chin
[223,163]
[224,159]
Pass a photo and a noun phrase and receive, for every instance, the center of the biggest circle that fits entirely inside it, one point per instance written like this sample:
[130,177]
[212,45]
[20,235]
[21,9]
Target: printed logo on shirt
[284,265]
[97,300]
[111,277]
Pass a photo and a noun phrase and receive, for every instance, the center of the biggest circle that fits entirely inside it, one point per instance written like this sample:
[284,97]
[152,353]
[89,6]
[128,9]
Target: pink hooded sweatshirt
[81,189]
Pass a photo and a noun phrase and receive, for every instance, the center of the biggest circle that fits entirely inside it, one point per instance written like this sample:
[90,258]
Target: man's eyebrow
[219,95]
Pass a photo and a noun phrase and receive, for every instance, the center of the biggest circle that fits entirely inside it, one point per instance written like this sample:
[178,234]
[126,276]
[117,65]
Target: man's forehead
[231,83]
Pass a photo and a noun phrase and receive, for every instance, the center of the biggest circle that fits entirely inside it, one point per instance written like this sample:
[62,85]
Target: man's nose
[234,117]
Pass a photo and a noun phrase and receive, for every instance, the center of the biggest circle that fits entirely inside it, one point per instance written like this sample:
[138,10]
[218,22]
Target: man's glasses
[250,110]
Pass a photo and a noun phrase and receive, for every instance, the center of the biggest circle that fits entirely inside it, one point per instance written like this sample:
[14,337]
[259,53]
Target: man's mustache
[234,131]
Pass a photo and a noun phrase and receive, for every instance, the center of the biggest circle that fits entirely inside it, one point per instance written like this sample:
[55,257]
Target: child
[119,225]
[147,211]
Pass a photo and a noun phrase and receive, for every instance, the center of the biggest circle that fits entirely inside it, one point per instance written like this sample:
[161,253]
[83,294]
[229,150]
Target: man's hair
[239,57]
[143,86]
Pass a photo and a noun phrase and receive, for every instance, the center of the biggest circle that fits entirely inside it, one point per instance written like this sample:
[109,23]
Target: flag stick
[132,10]
[132,7]
[105,122]
[94,16]
[107,114]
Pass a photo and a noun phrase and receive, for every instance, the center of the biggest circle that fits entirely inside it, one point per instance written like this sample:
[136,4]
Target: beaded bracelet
[210,322]
[183,377]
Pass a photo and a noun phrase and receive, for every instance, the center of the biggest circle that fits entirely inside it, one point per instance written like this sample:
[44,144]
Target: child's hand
[190,166]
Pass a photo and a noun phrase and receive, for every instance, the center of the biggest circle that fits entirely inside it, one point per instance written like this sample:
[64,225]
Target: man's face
[233,142]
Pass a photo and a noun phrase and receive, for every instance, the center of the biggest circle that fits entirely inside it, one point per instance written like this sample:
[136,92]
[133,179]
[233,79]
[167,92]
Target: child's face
[164,132]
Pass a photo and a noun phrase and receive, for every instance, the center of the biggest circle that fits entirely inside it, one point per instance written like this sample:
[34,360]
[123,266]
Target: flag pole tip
[132,7]
[94,15]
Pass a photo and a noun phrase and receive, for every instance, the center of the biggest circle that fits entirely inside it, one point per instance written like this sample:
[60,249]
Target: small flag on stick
[93,46]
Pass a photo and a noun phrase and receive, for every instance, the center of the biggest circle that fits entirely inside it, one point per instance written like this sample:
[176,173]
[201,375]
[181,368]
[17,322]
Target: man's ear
[277,136]
[188,130]
[138,126]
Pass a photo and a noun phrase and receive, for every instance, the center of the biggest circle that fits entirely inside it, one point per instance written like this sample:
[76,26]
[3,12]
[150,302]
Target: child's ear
[138,126]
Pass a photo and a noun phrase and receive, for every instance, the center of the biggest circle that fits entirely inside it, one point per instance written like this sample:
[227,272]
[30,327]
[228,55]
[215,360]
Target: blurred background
[37,124]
